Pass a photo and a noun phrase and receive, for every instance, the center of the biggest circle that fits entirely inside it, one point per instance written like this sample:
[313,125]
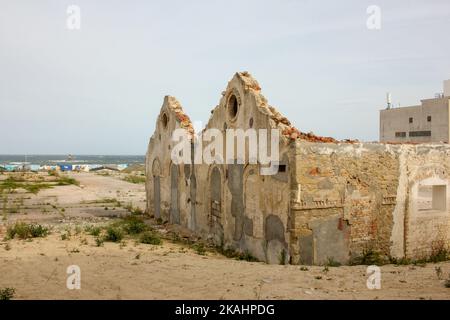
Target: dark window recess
[400,134]
[282,168]
[429,118]
[420,133]
[410,120]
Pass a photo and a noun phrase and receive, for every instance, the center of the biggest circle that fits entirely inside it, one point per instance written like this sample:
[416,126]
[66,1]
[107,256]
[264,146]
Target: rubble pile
[182,117]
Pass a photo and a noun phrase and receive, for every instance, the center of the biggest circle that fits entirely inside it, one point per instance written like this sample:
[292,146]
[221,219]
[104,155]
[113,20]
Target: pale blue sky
[99,90]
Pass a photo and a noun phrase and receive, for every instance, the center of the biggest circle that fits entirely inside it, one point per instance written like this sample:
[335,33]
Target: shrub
[438,255]
[134,179]
[36,230]
[304,269]
[7,293]
[137,211]
[401,261]
[65,181]
[368,257]
[230,253]
[35,188]
[95,231]
[99,241]
[199,248]
[149,237]
[113,234]
[247,256]
[134,225]
[25,231]
[447,283]
[332,263]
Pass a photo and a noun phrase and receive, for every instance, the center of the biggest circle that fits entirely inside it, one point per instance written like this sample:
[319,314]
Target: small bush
[134,179]
[447,283]
[438,255]
[247,256]
[99,241]
[25,231]
[199,248]
[65,181]
[113,234]
[137,211]
[35,188]
[36,230]
[332,263]
[95,231]
[134,225]
[7,293]
[230,253]
[368,257]
[149,237]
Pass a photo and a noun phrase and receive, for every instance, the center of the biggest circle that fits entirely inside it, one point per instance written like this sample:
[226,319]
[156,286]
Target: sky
[99,89]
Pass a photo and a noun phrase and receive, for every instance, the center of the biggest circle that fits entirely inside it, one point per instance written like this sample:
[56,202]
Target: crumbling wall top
[281,122]
[175,107]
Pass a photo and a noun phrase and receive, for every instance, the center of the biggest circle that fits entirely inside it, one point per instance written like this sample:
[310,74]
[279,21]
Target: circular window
[164,120]
[233,106]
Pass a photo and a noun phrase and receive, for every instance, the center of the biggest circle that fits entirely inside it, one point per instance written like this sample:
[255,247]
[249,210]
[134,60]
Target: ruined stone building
[329,199]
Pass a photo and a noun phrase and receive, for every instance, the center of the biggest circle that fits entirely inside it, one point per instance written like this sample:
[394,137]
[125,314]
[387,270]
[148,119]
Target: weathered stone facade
[329,199]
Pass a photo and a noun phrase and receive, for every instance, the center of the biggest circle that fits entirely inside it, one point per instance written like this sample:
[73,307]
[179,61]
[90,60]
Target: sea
[72,159]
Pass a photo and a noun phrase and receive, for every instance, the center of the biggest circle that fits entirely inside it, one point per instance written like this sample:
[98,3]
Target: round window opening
[233,106]
[164,120]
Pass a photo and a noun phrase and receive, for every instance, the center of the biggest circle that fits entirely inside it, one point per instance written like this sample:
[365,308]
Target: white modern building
[427,122]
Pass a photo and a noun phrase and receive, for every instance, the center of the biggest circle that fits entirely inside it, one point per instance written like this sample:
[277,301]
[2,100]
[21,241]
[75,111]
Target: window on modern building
[432,197]
[429,118]
[400,134]
[410,120]
[420,133]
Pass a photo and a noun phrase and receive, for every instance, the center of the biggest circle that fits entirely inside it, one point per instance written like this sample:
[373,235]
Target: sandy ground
[37,268]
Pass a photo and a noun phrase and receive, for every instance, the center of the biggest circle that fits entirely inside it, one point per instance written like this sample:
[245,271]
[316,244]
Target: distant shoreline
[73,159]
